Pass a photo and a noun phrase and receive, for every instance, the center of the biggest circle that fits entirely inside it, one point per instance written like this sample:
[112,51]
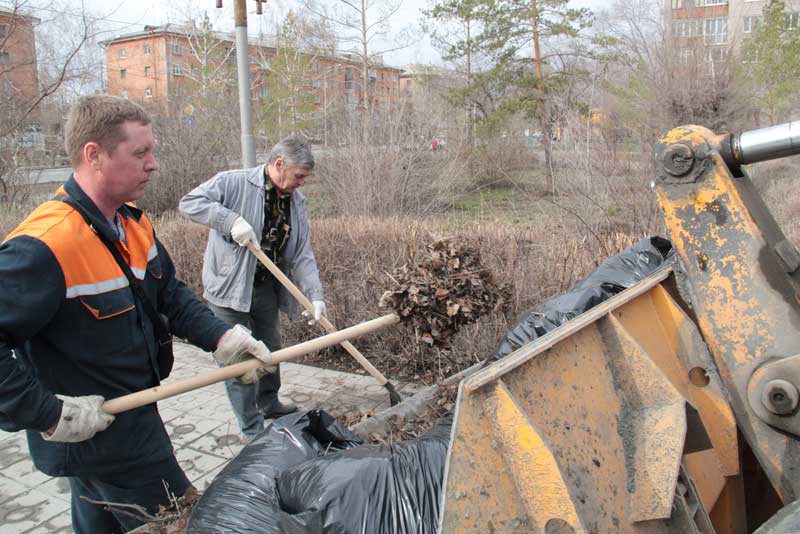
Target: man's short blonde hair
[99,119]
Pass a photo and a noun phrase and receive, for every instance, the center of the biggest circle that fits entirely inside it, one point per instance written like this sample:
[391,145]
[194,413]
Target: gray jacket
[228,269]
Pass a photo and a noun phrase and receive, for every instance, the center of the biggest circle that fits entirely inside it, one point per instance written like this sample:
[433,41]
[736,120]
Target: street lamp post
[243,71]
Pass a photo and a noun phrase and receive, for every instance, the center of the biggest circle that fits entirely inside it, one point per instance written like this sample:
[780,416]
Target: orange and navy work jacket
[69,314]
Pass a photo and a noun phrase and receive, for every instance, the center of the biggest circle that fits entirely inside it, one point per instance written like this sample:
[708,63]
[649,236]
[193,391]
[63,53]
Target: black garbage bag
[372,489]
[613,276]
[242,498]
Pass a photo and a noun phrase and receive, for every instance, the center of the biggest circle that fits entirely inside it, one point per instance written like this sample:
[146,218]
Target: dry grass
[541,254]
[538,259]
[355,253]
[777,183]
[186,243]
[540,248]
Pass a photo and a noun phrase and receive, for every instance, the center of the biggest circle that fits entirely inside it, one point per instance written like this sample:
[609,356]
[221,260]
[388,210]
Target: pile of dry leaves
[445,291]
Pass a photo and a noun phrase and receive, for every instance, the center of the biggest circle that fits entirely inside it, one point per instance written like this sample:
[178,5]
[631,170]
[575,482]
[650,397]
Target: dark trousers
[251,401]
[144,488]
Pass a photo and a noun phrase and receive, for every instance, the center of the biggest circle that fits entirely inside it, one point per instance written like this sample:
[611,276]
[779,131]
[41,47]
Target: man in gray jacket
[261,205]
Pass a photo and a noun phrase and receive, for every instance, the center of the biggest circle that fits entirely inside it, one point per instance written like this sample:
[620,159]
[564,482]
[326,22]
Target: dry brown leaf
[445,291]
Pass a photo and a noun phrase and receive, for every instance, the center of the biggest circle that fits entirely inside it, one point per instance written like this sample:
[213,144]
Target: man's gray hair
[294,151]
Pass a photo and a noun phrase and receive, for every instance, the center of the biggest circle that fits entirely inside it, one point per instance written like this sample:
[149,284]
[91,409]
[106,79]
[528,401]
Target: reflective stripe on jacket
[68,312]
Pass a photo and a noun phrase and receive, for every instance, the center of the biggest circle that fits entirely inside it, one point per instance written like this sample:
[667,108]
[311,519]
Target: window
[393,77]
[716,31]
[177,49]
[317,84]
[4,58]
[124,94]
[3,30]
[792,20]
[148,92]
[687,28]
[122,73]
[677,4]
[750,23]
[147,71]
[176,70]
[146,49]
[716,2]
[317,99]
[122,53]
[32,135]
[263,92]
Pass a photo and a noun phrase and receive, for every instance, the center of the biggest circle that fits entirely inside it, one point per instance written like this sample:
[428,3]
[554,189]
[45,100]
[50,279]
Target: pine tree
[772,61]
[527,42]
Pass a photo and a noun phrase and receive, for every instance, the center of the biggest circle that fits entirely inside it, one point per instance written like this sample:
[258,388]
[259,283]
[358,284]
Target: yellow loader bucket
[614,422]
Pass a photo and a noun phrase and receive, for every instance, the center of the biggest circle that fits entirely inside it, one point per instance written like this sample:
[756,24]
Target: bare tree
[360,25]
[62,33]
[199,136]
[455,28]
[47,56]
[658,83]
[286,75]
[211,57]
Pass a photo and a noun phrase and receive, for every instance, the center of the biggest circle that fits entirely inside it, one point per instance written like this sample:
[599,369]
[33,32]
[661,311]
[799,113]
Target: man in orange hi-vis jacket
[88,296]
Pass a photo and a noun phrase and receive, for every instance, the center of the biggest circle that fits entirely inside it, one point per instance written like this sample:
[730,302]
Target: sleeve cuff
[215,334]
[52,414]
[226,219]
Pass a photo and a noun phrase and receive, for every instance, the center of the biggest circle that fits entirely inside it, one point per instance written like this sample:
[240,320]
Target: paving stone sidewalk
[203,429]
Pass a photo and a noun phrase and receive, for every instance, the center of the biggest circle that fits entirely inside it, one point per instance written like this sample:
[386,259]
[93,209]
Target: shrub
[537,259]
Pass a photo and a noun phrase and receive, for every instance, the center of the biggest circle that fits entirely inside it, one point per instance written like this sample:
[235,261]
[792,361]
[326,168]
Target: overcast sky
[154,12]
[124,16]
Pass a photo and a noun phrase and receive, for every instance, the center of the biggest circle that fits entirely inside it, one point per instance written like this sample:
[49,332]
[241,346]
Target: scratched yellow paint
[538,478]
[732,313]
[682,335]
[691,134]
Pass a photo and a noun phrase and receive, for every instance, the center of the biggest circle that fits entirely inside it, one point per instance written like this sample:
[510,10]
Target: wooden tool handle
[305,303]
[163,391]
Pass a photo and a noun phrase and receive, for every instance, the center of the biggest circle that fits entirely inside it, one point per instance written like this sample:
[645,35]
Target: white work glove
[320,311]
[237,345]
[81,418]
[242,232]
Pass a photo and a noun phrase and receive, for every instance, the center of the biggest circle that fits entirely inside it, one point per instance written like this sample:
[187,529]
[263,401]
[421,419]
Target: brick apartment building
[423,91]
[717,25]
[158,65]
[19,80]
[745,15]
[699,23]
